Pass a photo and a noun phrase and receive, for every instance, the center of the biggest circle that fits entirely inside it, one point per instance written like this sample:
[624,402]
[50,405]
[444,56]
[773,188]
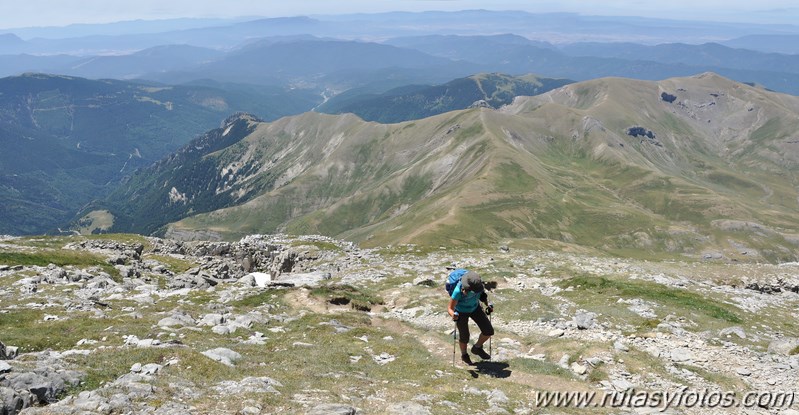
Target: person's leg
[463,328]
[463,332]
[486,331]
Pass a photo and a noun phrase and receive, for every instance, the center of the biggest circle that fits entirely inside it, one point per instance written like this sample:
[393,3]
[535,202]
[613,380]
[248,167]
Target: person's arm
[484,297]
[451,307]
[489,306]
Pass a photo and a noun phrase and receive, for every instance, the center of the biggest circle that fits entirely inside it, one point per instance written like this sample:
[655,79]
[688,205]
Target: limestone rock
[681,355]
[7,353]
[222,355]
[12,401]
[783,346]
[332,409]
[497,398]
[384,358]
[250,384]
[584,321]
[736,330]
[211,320]
[256,279]
[578,368]
[620,346]
[176,320]
[408,408]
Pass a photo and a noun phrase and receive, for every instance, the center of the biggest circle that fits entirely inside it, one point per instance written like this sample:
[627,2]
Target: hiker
[464,303]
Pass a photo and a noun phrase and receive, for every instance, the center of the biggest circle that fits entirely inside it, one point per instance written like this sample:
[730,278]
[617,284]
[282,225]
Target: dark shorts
[479,316]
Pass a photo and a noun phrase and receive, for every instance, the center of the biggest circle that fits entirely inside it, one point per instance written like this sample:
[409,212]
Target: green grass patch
[27,329]
[794,351]
[647,366]
[198,297]
[60,258]
[514,179]
[540,367]
[267,296]
[649,324]
[470,131]
[343,294]
[321,245]
[598,374]
[372,206]
[175,265]
[106,365]
[126,238]
[770,130]
[679,298]
[410,250]
[526,305]
[723,381]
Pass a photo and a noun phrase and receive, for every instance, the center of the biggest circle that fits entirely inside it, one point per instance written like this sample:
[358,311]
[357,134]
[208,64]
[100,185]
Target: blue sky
[62,12]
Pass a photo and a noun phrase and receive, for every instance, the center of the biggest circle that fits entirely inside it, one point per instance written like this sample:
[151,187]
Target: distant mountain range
[306,62]
[319,63]
[777,43]
[683,166]
[583,61]
[66,140]
[339,53]
[225,34]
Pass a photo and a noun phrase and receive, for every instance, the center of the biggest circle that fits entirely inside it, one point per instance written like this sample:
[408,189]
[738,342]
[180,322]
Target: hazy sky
[26,13]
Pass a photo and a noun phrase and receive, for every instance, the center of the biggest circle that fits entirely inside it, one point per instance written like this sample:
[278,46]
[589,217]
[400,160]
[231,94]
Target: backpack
[453,279]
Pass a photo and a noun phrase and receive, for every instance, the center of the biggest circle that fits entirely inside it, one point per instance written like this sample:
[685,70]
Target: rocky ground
[269,324]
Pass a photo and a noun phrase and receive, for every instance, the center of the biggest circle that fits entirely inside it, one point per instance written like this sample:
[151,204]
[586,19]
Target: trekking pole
[490,348]
[454,333]
[454,336]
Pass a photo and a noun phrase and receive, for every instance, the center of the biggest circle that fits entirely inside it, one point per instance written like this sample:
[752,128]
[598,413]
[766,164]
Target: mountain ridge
[613,164]
[412,102]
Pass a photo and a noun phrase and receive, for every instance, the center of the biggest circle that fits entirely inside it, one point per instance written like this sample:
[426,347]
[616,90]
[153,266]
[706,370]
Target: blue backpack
[453,279]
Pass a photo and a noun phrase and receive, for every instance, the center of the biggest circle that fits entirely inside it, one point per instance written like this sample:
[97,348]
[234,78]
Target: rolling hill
[422,101]
[689,166]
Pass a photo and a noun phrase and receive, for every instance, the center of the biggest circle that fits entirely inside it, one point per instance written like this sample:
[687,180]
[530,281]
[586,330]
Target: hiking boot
[466,359]
[480,352]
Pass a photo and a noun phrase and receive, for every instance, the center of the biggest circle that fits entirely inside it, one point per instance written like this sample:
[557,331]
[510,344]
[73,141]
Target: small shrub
[347,294]
[597,374]
[665,96]
[650,324]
